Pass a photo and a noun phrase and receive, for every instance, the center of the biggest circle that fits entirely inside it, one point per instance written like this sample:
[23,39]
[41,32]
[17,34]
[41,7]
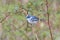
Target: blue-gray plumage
[32,19]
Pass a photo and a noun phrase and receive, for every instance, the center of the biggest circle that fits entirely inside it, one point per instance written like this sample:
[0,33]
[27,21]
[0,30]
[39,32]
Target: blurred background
[13,24]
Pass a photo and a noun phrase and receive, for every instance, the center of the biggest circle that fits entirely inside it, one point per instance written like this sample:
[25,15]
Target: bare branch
[7,15]
[49,20]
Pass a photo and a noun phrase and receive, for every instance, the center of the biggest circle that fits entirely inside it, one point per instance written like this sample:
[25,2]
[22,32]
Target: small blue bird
[32,19]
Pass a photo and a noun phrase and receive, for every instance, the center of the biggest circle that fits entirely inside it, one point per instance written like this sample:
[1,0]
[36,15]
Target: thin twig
[4,18]
[33,30]
[25,11]
[49,20]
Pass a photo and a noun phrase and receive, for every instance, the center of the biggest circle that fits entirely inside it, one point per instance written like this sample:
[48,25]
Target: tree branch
[49,20]
[4,18]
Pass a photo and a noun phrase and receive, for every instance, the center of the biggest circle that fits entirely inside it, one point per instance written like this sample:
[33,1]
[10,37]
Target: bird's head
[28,16]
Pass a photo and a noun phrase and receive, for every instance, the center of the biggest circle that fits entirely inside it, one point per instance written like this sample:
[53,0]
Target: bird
[32,19]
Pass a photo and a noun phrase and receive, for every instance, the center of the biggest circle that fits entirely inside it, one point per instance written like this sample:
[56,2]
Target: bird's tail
[42,19]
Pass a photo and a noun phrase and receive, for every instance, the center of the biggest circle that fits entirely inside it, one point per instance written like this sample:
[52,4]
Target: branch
[4,18]
[25,11]
[49,20]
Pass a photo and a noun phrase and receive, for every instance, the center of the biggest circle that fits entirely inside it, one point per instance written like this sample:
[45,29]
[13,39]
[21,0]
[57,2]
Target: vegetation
[13,24]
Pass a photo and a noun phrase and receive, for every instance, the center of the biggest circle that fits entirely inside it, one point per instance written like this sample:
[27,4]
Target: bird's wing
[33,18]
